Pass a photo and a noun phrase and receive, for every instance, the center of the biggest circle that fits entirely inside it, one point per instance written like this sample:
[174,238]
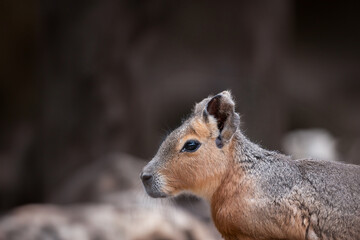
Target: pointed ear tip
[226,93]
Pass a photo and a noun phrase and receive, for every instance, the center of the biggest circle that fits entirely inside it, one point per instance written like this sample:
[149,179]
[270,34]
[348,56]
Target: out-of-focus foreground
[84,81]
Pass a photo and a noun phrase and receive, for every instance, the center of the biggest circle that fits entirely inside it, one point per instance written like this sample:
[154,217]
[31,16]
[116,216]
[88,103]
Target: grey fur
[327,193]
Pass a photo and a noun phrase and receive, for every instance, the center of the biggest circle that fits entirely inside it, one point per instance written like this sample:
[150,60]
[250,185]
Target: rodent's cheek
[168,189]
[171,184]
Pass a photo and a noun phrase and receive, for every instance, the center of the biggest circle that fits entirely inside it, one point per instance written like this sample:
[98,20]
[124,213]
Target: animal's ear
[222,108]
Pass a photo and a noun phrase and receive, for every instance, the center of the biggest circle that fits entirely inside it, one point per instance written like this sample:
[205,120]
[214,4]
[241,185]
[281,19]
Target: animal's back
[308,199]
[331,198]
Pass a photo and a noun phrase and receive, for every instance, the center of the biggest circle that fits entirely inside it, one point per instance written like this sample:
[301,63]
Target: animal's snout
[146,177]
[152,182]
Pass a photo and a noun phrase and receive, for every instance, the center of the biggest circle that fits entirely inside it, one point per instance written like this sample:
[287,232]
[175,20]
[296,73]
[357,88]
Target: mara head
[195,156]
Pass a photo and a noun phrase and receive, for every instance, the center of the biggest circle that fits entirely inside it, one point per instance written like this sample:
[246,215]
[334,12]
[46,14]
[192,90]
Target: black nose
[145,176]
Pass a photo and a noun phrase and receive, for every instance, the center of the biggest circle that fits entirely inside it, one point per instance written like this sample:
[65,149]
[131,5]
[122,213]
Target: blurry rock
[115,181]
[314,143]
[196,207]
[132,221]
[113,174]
[107,179]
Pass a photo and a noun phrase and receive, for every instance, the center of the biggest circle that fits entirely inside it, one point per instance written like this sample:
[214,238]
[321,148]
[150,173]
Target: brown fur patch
[188,171]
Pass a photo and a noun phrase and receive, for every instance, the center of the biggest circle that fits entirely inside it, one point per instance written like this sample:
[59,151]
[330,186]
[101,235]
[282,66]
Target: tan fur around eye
[204,129]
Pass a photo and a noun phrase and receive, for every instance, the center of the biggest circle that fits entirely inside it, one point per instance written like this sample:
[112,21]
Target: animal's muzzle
[146,177]
[152,184]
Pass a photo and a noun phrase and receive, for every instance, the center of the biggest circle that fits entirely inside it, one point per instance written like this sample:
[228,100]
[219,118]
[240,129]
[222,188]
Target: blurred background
[88,90]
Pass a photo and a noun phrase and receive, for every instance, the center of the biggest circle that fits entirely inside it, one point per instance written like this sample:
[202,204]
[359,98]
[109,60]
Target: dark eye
[191,146]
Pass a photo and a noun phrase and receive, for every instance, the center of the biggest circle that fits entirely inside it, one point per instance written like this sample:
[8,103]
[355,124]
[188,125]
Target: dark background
[82,79]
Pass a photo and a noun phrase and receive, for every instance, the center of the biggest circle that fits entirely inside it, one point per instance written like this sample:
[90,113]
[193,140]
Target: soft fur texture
[255,193]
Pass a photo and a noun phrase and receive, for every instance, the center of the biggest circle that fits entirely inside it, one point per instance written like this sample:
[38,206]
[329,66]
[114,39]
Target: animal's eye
[191,146]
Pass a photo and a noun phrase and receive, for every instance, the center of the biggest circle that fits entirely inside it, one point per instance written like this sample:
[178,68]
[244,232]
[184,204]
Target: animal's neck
[243,155]
[248,154]
[230,202]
